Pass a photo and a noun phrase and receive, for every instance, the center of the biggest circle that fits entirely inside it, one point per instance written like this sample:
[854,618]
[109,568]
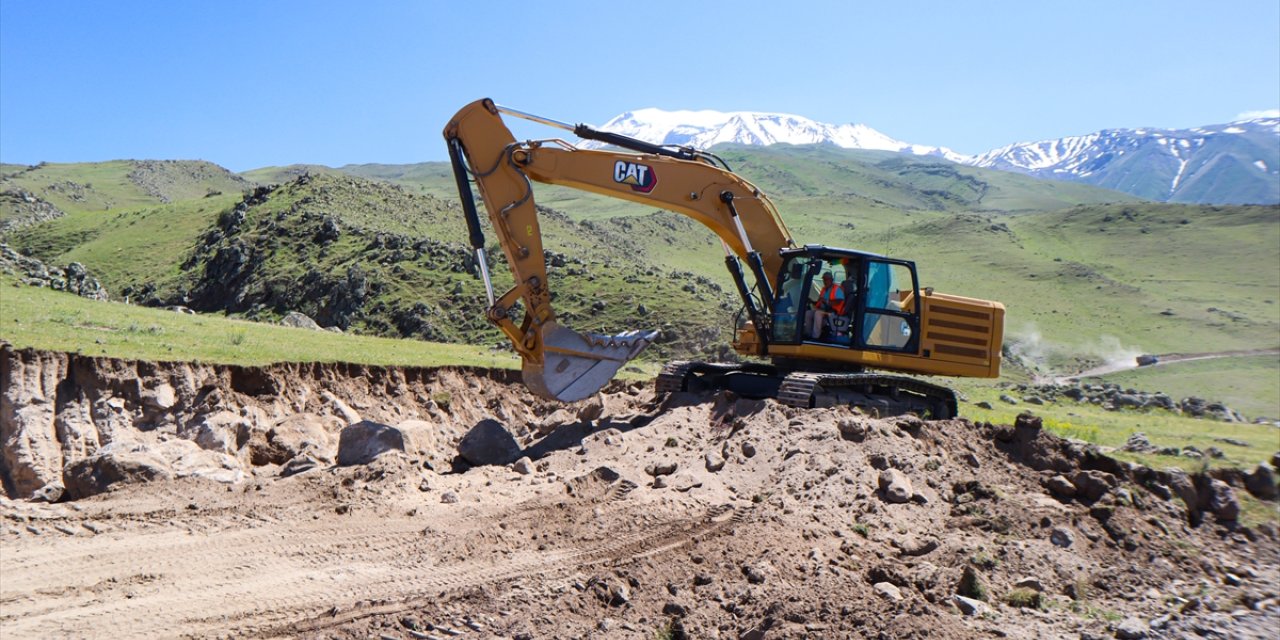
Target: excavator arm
[559,363]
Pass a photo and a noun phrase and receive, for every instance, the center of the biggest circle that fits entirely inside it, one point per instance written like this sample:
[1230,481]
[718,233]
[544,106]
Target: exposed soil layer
[633,516]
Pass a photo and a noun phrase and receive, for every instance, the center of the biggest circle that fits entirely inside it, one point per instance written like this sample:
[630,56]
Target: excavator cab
[878,295]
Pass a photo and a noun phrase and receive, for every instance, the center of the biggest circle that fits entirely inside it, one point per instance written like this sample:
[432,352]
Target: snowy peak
[703,129]
[1233,163]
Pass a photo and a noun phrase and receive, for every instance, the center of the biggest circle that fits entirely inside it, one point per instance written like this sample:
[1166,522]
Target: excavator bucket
[575,366]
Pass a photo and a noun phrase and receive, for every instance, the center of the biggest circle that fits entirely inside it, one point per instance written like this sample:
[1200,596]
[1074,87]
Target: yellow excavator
[822,324]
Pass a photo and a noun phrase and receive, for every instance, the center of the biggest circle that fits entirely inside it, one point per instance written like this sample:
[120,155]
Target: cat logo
[639,176]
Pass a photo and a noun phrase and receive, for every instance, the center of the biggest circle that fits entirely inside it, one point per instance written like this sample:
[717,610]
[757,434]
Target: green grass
[1250,385]
[122,184]
[57,321]
[1112,428]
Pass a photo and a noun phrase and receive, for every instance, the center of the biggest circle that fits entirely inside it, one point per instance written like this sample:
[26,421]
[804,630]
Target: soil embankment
[207,501]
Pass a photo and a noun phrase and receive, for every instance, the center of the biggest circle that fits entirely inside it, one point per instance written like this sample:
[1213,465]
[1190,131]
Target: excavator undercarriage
[876,393]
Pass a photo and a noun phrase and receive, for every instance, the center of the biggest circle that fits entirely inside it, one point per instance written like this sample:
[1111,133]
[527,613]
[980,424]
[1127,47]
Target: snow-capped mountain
[1233,163]
[702,129]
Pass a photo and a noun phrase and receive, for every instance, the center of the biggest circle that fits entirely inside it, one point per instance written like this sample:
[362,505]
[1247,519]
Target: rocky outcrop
[73,278]
[1113,397]
[25,209]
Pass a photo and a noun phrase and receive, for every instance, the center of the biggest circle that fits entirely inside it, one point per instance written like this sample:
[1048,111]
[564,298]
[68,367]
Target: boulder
[553,421]
[523,466]
[591,409]
[1061,537]
[896,486]
[50,493]
[1138,443]
[714,461]
[300,464]
[1222,501]
[161,398]
[1060,487]
[969,606]
[114,463]
[1182,486]
[303,434]
[364,441]
[489,442]
[888,591]
[428,441]
[1262,482]
[223,431]
[1132,629]
[664,468]
[209,465]
[852,429]
[299,321]
[1093,484]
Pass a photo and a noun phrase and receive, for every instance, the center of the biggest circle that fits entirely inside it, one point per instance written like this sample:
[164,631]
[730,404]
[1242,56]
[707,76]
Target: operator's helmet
[827,277]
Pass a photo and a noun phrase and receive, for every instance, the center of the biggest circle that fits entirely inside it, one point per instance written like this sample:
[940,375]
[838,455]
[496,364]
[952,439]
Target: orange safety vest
[829,295]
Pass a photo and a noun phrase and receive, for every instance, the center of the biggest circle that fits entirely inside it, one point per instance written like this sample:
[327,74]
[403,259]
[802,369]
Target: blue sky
[251,84]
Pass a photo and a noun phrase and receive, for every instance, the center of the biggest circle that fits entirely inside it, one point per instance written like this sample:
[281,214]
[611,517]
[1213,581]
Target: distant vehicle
[1147,360]
[819,338]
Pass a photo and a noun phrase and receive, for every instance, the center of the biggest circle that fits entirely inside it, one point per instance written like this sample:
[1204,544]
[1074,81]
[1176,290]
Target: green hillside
[119,184]
[1087,275]
[813,179]
[278,175]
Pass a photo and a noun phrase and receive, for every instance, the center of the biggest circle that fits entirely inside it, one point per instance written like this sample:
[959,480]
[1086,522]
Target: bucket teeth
[632,341]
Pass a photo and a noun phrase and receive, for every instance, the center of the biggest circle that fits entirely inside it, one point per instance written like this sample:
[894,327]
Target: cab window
[890,320]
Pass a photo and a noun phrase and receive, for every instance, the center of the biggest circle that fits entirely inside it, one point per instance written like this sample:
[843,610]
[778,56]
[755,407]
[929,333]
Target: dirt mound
[627,516]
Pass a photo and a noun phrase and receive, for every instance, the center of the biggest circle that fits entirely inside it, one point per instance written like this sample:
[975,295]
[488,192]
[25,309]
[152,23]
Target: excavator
[806,341]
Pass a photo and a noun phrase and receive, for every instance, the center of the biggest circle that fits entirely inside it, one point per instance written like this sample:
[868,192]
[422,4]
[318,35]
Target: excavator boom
[559,363]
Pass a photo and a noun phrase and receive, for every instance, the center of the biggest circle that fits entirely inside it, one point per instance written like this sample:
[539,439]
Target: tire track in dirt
[280,578]
[669,537]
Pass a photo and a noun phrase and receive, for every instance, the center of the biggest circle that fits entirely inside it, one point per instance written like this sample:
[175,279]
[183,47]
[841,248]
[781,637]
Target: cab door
[888,307]
[792,299]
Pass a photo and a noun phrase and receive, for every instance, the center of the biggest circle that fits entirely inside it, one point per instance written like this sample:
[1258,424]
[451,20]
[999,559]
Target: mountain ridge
[1231,163]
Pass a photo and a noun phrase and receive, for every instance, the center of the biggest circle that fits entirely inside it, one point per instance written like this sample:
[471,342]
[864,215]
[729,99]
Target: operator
[830,301]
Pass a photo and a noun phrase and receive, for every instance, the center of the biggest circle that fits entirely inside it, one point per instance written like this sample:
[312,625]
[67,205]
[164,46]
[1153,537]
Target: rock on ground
[487,443]
[364,441]
[896,486]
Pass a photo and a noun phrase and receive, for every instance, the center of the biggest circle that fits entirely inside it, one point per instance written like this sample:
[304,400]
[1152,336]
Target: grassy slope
[43,319]
[1112,428]
[1250,385]
[121,184]
[127,247]
[1086,279]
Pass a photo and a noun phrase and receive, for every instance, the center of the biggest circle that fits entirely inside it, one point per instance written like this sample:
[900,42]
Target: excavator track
[880,394]
[886,394]
[672,377]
